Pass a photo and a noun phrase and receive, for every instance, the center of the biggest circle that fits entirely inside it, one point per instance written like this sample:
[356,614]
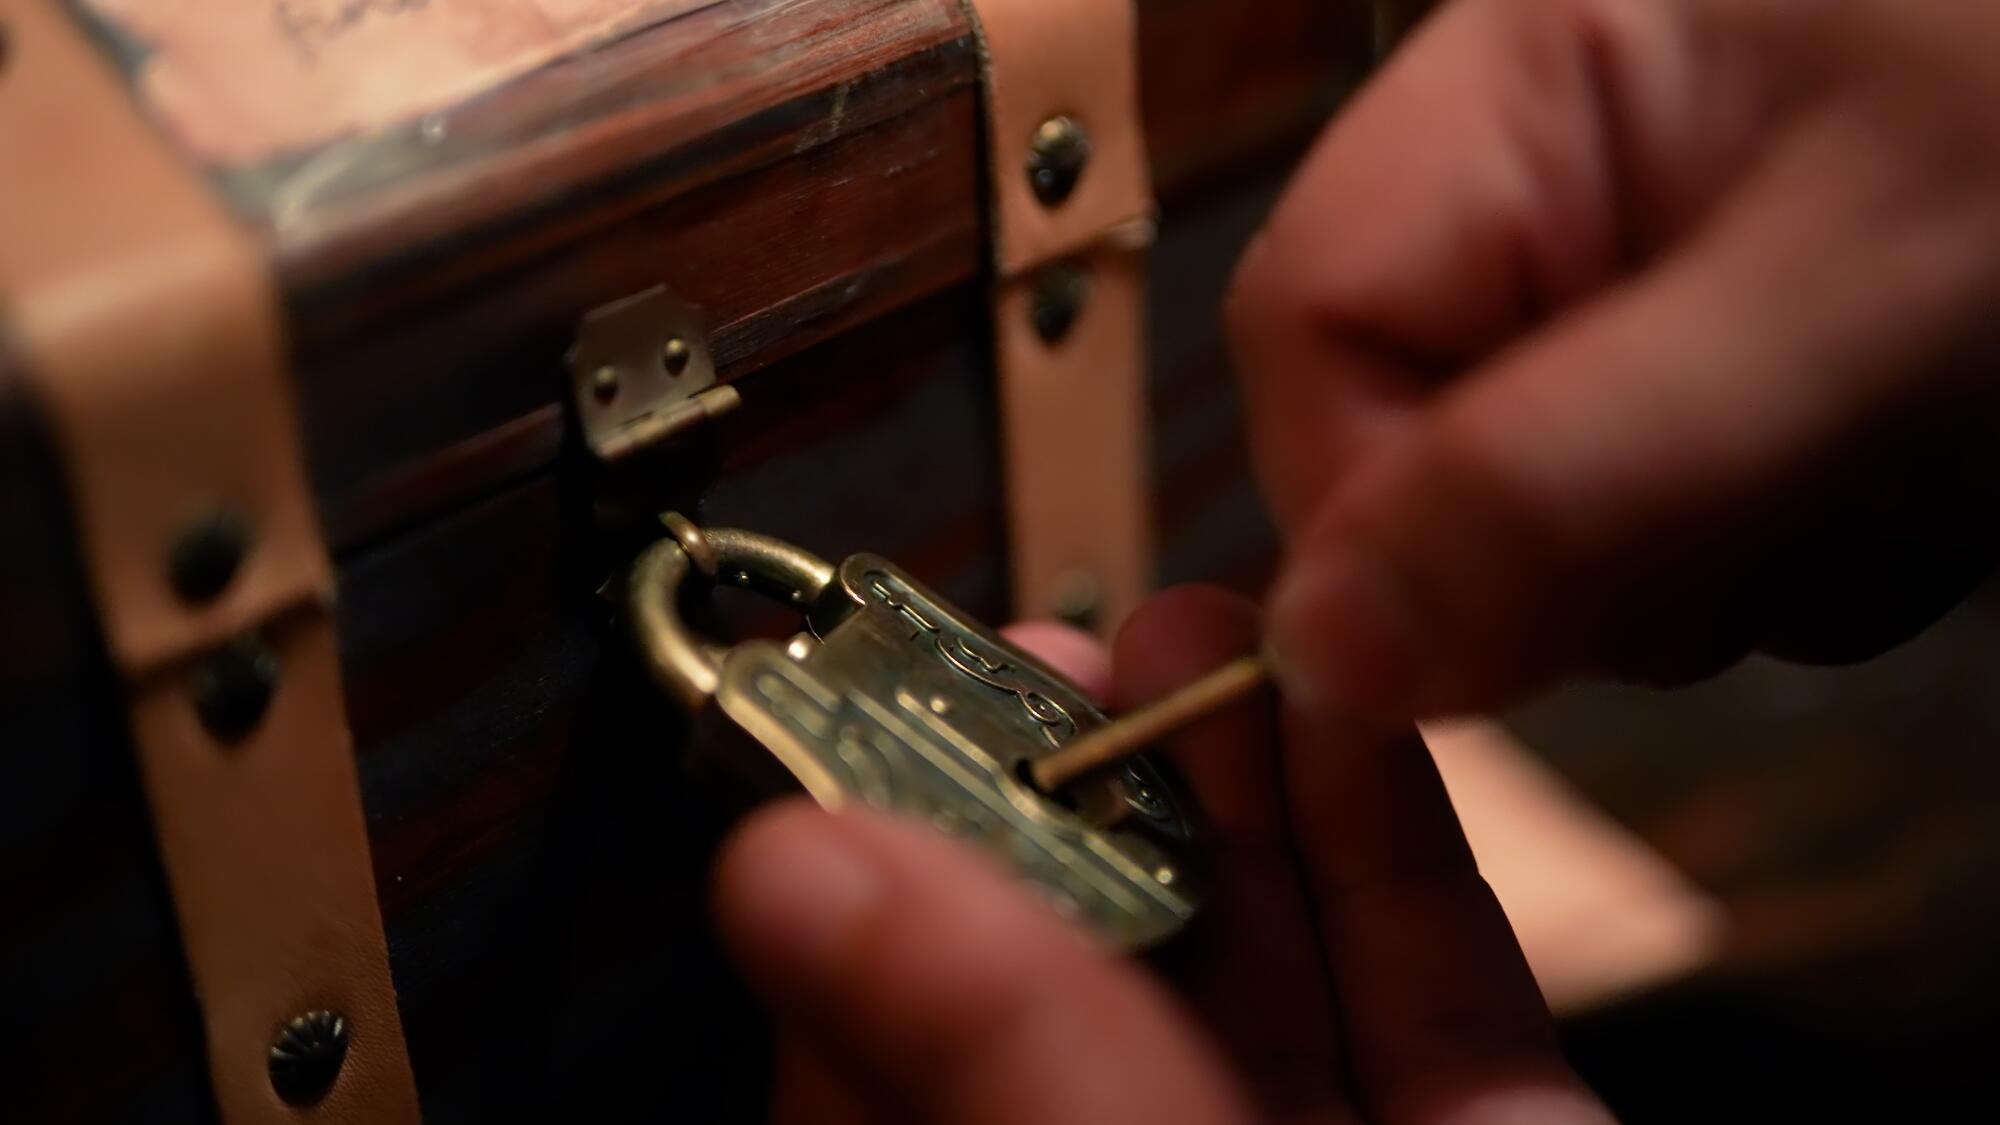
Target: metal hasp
[895,700]
[641,373]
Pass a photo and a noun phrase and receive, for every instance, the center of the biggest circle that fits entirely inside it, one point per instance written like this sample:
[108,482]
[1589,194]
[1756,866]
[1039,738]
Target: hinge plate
[641,372]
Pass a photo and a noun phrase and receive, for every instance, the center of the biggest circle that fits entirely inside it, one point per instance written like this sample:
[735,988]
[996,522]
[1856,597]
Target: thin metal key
[1133,733]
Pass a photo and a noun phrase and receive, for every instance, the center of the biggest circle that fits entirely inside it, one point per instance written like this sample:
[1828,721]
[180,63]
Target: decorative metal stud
[233,686]
[604,383]
[1056,159]
[675,355]
[1058,294]
[1075,599]
[307,1056]
[207,554]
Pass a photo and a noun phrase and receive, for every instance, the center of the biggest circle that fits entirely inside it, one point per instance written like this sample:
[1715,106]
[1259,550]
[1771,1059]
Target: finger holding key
[945,988]
[1252,966]
[1575,321]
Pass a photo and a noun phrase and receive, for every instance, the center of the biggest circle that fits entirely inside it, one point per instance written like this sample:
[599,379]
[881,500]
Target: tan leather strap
[1069,301]
[146,324]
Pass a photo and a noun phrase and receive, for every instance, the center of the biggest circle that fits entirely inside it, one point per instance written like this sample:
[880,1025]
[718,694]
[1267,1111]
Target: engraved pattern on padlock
[896,700]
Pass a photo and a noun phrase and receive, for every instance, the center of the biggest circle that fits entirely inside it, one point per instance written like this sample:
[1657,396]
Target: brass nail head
[1056,159]
[207,554]
[233,685]
[306,1056]
[604,383]
[674,356]
[1075,599]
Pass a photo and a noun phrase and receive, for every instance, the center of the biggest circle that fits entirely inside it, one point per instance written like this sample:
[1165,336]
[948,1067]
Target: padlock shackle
[686,666]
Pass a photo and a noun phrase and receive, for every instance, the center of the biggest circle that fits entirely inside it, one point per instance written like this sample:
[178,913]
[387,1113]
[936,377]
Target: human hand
[1630,336]
[1350,964]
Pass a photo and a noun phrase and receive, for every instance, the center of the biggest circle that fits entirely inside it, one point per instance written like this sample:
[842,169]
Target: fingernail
[1343,640]
[799,888]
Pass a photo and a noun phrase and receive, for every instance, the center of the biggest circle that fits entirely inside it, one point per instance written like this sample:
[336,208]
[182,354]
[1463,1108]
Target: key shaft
[1126,736]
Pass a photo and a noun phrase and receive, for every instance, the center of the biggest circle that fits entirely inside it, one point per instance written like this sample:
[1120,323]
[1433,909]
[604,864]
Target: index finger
[1252,965]
[1443,1019]
[1467,192]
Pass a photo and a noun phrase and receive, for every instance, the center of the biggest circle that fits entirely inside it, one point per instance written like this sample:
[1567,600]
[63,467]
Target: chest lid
[445,187]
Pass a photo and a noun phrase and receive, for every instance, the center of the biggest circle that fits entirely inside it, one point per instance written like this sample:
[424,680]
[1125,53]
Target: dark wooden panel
[540,863]
[540,858]
[670,108]
[1210,520]
[789,202]
[385,396]
[519,785]
[1225,86]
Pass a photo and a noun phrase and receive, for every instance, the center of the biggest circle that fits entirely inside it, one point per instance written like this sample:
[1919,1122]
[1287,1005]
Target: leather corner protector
[1076,59]
[148,329]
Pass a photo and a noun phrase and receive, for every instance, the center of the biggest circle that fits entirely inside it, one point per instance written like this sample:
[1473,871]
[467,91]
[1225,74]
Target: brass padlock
[895,700]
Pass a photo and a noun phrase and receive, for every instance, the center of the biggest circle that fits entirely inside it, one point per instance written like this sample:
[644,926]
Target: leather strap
[147,326]
[1073,402]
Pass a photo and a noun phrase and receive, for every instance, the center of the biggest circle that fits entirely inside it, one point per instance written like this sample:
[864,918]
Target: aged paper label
[242,80]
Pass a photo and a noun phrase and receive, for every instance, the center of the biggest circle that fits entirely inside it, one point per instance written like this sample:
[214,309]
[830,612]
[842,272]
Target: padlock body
[901,703]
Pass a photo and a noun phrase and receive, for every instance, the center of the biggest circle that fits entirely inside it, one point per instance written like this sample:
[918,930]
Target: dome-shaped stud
[207,554]
[604,383]
[233,685]
[674,356]
[1056,300]
[1056,159]
[307,1055]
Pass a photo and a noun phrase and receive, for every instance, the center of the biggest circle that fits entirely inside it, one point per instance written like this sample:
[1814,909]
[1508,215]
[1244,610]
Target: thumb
[1636,469]
[944,988]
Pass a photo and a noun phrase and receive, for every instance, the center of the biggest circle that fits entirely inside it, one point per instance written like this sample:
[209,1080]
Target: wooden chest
[811,179]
